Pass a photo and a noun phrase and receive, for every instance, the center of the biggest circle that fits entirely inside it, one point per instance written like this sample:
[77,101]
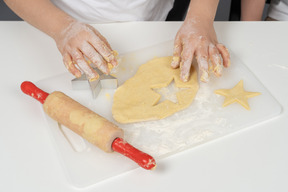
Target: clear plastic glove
[82,46]
[198,38]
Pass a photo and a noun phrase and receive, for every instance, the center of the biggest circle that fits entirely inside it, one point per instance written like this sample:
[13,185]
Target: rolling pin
[86,123]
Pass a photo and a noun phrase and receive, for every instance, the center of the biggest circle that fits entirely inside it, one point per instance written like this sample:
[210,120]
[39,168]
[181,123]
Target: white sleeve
[99,11]
[278,10]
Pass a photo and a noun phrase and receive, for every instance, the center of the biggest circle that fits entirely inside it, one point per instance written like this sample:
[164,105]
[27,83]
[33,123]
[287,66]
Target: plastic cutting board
[205,120]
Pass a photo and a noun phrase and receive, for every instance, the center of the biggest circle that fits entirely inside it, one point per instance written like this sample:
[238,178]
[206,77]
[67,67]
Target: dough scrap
[236,94]
[136,100]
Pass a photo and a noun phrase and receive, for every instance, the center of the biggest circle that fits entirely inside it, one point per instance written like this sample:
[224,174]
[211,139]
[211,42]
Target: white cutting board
[203,121]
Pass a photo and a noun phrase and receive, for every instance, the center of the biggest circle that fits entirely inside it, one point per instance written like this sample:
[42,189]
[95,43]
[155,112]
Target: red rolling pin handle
[30,89]
[141,158]
[118,145]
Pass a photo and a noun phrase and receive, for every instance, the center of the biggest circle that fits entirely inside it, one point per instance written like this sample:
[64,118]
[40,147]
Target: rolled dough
[236,94]
[136,101]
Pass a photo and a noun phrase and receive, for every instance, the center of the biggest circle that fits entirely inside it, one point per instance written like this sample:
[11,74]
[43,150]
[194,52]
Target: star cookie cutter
[103,82]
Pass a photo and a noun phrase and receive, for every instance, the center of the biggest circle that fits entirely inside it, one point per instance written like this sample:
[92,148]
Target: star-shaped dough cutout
[169,92]
[236,94]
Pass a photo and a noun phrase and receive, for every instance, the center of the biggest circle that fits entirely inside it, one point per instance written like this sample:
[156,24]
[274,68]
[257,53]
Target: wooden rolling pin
[86,123]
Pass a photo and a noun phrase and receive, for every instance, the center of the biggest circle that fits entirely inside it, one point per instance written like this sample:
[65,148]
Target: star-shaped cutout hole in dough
[168,93]
[236,94]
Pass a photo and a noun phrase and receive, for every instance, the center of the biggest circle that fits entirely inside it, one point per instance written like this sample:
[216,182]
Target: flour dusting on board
[190,127]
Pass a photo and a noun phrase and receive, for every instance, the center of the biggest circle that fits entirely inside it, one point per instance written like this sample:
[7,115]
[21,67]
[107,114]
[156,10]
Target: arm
[252,10]
[197,37]
[42,14]
[76,41]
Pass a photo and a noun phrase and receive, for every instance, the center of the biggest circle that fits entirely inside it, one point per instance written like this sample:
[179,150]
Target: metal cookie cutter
[104,81]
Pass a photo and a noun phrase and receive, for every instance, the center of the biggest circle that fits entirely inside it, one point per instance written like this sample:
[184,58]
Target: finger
[186,62]
[78,57]
[225,54]
[203,63]
[67,60]
[105,51]
[215,59]
[89,51]
[101,37]
[176,54]
[114,52]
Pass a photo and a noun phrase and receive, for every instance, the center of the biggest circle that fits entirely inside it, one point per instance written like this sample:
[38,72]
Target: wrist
[61,26]
[202,11]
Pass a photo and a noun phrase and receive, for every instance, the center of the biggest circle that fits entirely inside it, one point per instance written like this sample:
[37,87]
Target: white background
[251,160]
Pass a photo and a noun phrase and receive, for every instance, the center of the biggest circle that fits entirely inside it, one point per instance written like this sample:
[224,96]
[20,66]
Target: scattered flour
[192,126]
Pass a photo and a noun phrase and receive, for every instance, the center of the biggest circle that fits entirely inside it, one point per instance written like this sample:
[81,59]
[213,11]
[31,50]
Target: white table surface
[255,159]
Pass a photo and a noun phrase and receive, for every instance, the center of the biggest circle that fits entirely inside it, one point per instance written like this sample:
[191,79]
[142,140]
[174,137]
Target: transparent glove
[82,48]
[198,38]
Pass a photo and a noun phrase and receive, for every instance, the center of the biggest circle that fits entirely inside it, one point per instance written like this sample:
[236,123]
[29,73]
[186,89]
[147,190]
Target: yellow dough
[236,94]
[136,101]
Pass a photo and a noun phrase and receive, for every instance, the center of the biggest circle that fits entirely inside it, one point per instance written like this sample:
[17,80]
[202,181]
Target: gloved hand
[82,46]
[197,37]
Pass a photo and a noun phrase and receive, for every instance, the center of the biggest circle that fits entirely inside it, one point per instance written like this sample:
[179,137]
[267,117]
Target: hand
[81,45]
[198,38]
